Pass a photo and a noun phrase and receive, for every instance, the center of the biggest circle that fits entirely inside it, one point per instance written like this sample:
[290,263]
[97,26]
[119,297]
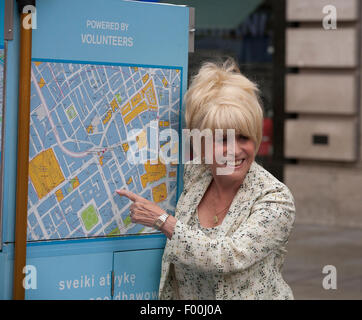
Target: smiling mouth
[235,163]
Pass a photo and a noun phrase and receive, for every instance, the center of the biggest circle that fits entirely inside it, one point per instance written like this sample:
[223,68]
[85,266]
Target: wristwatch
[160,221]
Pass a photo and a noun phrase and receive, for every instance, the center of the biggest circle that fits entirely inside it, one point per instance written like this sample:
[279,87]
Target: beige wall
[327,180]
[326,194]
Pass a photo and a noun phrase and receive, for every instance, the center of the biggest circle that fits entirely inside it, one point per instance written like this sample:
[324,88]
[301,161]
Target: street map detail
[81,118]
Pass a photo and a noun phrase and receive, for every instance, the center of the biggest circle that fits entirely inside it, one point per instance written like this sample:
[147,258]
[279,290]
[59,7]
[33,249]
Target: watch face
[160,221]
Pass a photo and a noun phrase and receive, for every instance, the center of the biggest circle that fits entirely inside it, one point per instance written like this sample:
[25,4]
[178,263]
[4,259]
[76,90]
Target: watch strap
[160,221]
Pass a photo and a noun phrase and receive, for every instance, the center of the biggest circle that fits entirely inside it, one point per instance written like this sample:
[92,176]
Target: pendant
[216,219]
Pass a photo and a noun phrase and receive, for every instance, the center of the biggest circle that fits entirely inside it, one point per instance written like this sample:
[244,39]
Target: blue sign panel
[96,77]
[99,70]
[100,269]
[133,279]
[113,31]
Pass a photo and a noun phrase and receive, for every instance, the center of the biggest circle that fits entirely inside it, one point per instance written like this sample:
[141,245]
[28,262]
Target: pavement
[310,249]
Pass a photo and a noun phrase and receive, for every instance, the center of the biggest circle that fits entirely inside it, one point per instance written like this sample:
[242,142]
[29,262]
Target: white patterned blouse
[243,257]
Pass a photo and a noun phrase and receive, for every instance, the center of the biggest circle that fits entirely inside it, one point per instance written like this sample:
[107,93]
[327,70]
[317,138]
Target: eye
[238,137]
[220,139]
[242,137]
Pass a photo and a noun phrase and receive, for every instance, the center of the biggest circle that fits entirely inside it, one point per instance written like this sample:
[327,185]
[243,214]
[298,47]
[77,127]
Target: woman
[228,237]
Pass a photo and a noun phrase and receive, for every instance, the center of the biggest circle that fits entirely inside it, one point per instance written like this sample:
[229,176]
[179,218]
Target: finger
[131,209]
[130,195]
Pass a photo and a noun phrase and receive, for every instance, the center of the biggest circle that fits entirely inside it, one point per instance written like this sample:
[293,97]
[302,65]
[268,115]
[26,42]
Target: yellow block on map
[41,83]
[107,117]
[90,129]
[75,182]
[142,140]
[114,105]
[154,172]
[149,92]
[59,195]
[145,78]
[136,99]
[159,193]
[164,123]
[152,107]
[45,172]
[165,83]
[126,109]
[125,147]
[140,108]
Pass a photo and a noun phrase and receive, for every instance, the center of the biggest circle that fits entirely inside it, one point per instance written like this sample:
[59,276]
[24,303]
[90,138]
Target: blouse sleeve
[265,231]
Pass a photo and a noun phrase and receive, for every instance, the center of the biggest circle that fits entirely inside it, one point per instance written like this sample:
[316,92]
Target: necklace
[217,213]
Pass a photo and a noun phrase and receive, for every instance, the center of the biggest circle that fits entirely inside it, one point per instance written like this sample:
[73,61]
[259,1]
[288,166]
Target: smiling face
[232,163]
[221,98]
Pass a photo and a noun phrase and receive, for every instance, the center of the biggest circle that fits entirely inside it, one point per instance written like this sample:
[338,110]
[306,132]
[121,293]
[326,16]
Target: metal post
[23,156]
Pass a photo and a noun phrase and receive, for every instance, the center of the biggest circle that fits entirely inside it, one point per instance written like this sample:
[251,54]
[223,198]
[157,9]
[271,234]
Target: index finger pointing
[129,194]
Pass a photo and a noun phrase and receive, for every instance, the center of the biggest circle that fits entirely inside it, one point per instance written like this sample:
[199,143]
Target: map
[81,117]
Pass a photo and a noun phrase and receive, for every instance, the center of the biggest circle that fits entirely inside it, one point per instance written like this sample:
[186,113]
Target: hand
[142,210]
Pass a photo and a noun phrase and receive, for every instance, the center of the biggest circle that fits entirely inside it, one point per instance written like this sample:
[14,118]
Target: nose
[237,151]
[239,148]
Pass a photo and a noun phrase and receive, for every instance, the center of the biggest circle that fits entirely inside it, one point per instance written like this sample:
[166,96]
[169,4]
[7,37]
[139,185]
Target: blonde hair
[220,97]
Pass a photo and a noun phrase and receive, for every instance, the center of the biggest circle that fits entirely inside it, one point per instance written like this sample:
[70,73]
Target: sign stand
[23,158]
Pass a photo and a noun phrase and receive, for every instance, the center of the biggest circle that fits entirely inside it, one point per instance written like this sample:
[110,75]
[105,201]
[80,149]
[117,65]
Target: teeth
[236,163]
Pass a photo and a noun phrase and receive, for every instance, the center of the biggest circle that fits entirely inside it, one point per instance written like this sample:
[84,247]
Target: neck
[225,186]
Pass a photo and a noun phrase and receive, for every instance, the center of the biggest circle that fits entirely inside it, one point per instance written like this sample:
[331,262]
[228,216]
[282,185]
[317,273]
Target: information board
[96,79]
[100,70]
